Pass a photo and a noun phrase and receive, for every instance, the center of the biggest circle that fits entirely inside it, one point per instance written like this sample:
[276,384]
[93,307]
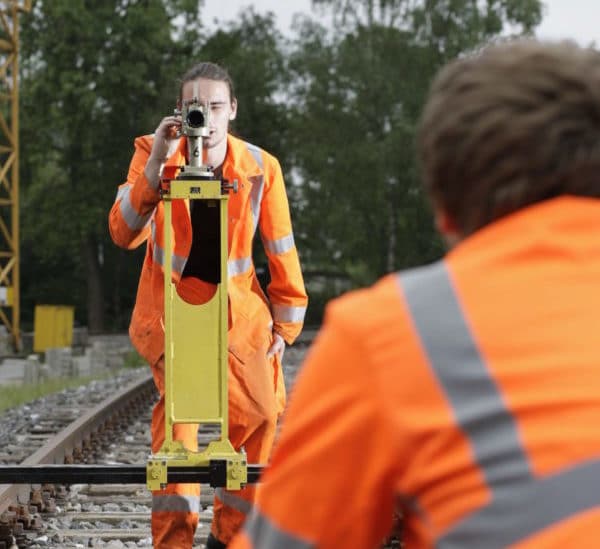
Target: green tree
[253,51]
[357,96]
[94,74]
[251,48]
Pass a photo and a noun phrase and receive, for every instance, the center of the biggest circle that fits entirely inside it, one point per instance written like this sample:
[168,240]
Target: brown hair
[210,71]
[510,126]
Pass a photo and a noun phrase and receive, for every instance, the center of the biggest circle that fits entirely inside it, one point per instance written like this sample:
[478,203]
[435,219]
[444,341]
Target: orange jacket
[261,202]
[467,392]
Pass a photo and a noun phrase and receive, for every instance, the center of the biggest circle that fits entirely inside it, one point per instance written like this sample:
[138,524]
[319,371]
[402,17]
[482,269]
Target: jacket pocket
[244,339]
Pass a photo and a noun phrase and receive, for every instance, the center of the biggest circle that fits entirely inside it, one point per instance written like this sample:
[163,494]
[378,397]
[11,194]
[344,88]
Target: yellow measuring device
[196,364]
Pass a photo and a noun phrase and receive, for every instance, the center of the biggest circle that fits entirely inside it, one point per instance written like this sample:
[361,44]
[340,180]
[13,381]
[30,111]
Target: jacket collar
[565,222]
[240,160]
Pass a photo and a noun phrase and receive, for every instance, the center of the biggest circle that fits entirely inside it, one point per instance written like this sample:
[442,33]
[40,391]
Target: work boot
[214,543]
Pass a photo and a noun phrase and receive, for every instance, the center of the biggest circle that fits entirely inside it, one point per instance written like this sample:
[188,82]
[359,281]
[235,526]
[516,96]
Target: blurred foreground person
[466,392]
[259,326]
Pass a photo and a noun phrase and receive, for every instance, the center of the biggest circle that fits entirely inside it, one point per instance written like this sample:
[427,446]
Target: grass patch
[133,360]
[12,396]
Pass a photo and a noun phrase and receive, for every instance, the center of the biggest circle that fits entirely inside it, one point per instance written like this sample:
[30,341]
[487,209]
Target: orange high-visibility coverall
[256,388]
[466,392]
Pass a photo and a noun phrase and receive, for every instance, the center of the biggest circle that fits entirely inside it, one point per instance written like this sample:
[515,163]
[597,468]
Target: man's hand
[165,135]
[277,347]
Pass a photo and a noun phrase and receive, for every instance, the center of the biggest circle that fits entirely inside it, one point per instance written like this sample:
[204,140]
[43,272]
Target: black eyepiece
[195,118]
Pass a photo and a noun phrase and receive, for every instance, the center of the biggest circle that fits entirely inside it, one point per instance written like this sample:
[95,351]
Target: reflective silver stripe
[121,191]
[281,245]
[256,193]
[177,262]
[258,185]
[238,266]
[517,512]
[158,255]
[134,221]
[286,313]
[265,535]
[256,153]
[521,504]
[233,501]
[478,405]
[175,503]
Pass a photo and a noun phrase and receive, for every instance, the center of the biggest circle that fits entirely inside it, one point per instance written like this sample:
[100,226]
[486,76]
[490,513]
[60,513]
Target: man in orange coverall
[466,392]
[259,326]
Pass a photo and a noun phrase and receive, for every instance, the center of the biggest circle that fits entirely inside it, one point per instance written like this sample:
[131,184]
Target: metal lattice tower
[9,165]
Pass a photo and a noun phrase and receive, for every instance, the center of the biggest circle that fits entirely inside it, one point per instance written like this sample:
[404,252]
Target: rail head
[65,441]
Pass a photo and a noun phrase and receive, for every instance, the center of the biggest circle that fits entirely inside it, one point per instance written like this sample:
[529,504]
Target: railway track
[111,431]
[25,509]
[86,429]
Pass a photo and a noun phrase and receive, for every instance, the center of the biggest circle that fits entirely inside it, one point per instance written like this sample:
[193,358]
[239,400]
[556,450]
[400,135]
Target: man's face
[222,107]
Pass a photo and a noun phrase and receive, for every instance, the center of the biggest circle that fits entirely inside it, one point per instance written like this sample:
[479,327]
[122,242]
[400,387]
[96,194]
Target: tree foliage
[251,48]
[357,97]
[354,127]
[93,74]
[338,107]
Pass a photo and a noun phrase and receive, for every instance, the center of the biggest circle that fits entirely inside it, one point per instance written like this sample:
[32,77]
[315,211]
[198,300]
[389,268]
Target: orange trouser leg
[253,411]
[231,507]
[174,510]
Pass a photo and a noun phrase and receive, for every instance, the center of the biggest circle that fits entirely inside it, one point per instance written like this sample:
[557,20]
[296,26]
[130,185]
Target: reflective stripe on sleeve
[233,501]
[521,503]
[175,503]
[133,220]
[121,192]
[265,535]
[286,313]
[281,245]
[238,266]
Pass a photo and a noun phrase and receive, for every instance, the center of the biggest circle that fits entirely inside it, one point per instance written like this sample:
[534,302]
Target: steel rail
[64,442]
[213,474]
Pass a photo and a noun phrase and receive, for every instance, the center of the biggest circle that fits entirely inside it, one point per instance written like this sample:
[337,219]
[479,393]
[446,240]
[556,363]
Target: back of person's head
[509,126]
